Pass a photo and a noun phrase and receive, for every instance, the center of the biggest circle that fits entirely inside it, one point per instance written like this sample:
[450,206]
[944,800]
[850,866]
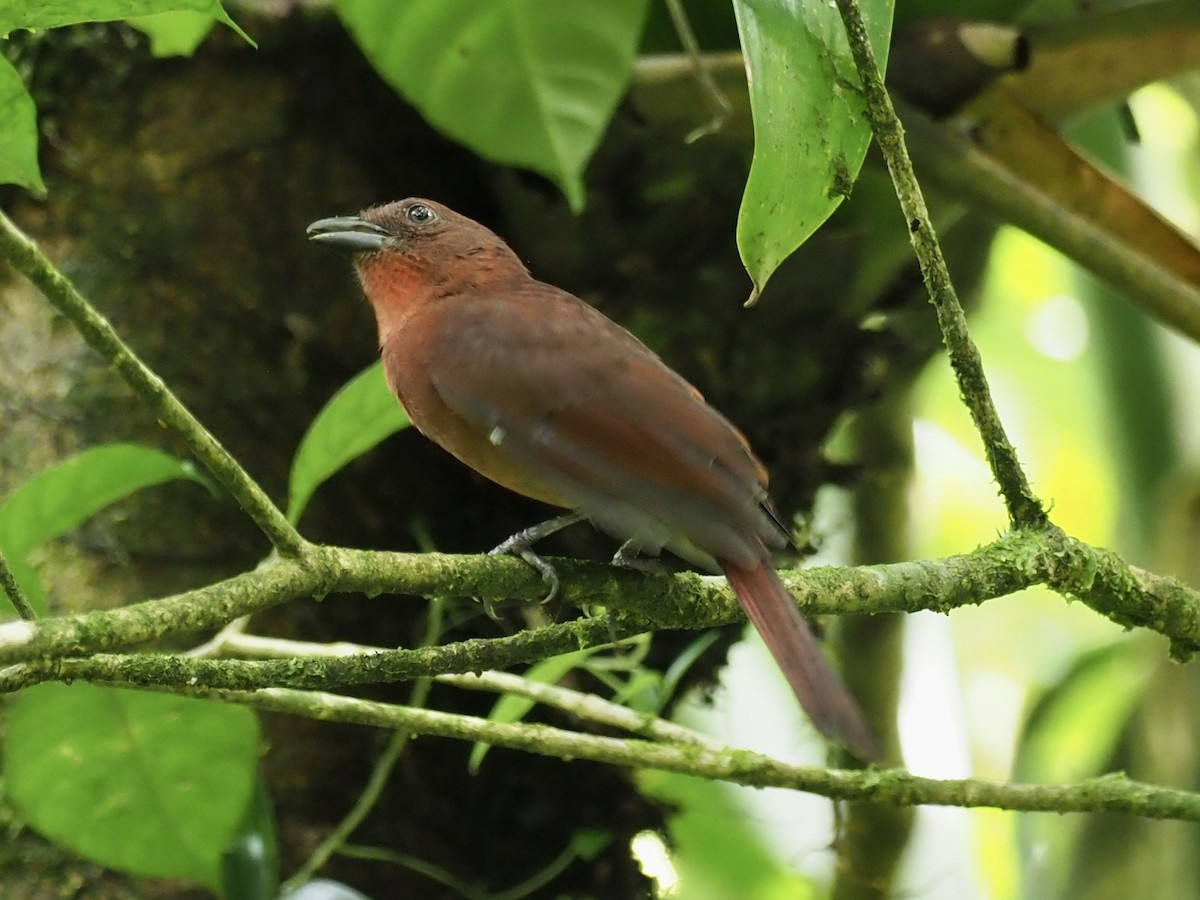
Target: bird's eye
[420,214]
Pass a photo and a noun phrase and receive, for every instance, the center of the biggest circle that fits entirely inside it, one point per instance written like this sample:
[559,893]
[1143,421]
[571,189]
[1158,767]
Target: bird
[543,394]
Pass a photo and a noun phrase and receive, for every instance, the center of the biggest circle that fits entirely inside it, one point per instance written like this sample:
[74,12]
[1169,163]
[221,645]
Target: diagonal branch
[27,259]
[1024,509]
[10,586]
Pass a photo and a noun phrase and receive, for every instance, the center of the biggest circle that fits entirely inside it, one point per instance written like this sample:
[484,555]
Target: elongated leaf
[1070,735]
[531,83]
[151,784]
[250,863]
[511,708]
[57,500]
[18,133]
[810,129]
[357,418]
[55,13]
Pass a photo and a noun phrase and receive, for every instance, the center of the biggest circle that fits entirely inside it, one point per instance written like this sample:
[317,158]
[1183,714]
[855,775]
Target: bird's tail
[819,689]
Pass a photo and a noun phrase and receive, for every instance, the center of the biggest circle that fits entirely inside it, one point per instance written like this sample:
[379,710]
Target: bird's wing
[576,398]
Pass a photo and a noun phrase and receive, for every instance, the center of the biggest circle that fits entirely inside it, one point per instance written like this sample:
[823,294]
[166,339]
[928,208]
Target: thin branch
[586,707]
[718,103]
[27,259]
[10,586]
[1112,793]
[1024,509]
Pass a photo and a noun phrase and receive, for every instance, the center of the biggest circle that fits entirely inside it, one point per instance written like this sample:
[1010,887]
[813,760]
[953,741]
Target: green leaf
[146,783]
[511,708]
[810,128]
[355,419]
[57,500]
[174,33]
[529,83]
[55,13]
[18,133]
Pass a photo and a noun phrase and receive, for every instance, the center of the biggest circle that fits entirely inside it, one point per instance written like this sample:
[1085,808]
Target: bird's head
[415,250]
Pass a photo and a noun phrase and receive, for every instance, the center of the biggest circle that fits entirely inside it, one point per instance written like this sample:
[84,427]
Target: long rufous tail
[819,689]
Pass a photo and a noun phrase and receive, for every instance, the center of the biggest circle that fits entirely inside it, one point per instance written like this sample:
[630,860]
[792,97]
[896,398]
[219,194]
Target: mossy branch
[60,648]
[1113,793]
[1024,509]
[10,586]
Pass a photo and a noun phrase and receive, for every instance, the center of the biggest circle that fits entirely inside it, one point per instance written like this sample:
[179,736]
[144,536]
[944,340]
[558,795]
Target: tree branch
[1024,509]
[1113,793]
[29,260]
[55,648]
[10,586]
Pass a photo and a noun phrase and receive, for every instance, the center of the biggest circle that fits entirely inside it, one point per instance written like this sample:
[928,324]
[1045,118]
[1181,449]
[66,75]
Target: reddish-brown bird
[543,394]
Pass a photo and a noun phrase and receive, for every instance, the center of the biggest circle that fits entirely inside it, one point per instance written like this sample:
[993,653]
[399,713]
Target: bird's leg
[634,555]
[521,544]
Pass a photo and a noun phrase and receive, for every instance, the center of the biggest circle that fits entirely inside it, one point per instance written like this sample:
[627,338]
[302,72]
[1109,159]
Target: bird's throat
[396,286]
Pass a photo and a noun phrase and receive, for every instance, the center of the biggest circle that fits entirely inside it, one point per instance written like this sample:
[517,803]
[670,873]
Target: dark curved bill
[348,233]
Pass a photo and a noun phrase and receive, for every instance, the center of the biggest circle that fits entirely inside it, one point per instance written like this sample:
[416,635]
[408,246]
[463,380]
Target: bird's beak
[348,233]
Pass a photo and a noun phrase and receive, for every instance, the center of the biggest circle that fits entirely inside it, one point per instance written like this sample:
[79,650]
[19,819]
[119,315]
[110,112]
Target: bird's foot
[521,545]
[632,555]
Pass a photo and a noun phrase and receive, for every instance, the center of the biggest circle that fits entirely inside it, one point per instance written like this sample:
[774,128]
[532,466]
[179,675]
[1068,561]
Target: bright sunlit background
[972,678]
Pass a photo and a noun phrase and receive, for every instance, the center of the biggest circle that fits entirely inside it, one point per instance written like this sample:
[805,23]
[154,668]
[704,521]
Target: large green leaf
[18,133]
[530,83]
[57,500]
[151,784]
[355,419]
[55,13]
[810,128]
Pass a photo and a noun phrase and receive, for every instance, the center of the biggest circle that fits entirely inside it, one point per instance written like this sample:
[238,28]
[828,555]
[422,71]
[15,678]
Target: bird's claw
[520,544]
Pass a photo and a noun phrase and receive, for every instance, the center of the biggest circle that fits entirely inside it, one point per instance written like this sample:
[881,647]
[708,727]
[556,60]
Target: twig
[27,259]
[718,103]
[587,707]
[8,581]
[1024,509]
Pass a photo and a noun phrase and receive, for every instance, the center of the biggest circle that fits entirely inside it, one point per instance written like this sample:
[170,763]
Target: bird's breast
[409,366]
